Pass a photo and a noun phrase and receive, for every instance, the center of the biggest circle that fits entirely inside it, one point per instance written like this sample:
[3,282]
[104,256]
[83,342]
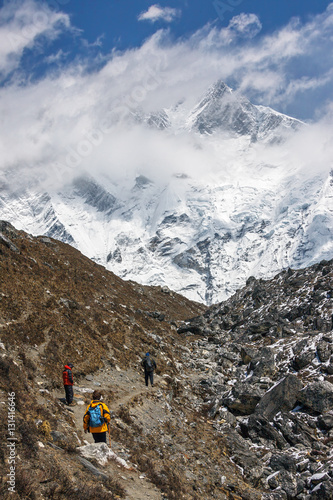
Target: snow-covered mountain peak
[215,93]
[206,200]
[141,182]
[224,110]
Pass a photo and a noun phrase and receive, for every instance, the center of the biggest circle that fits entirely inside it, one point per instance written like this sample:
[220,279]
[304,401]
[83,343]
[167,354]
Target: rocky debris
[265,357]
[102,454]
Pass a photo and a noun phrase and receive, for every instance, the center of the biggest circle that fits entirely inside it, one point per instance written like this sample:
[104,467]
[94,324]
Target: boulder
[283,461]
[324,351]
[317,396]
[302,360]
[243,398]
[264,363]
[325,421]
[281,397]
[241,454]
[195,325]
[247,354]
[260,431]
[295,430]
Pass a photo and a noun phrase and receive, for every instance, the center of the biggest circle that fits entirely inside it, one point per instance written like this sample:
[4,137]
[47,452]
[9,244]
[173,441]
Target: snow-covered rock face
[221,109]
[252,213]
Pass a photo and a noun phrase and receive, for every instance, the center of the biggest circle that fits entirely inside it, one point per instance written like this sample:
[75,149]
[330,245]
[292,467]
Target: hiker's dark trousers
[99,437]
[149,376]
[69,393]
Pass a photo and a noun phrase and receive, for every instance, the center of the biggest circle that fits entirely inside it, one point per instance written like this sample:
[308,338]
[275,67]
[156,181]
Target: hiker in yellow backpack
[97,418]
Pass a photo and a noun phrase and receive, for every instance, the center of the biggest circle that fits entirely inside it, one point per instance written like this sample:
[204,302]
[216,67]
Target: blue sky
[278,53]
[117,20]
[68,66]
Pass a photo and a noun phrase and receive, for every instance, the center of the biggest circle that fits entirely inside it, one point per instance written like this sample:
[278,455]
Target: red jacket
[67,376]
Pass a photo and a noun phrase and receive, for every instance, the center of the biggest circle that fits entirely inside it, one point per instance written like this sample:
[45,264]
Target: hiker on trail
[67,376]
[149,366]
[96,418]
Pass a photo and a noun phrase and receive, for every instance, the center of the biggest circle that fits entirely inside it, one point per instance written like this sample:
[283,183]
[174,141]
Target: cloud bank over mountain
[66,114]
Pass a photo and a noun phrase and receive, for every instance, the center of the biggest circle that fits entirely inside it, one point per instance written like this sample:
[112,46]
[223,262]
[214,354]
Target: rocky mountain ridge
[243,403]
[268,351]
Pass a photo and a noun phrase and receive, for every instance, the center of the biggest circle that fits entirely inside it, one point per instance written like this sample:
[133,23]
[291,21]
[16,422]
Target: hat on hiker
[70,365]
[147,354]
[97,394]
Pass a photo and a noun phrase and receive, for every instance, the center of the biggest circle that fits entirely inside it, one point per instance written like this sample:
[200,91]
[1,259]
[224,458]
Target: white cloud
[157,13]
[21,23]
[61,122]
[247,25]
[56,58]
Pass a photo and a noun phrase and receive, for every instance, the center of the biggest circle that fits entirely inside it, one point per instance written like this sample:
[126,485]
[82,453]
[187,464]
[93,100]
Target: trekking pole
[109,434]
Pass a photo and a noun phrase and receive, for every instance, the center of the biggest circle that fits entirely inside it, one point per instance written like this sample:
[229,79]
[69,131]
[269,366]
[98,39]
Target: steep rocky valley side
[241,408]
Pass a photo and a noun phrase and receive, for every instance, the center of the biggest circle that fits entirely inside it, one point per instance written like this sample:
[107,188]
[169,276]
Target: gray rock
[243,398]
[302,360]
[58,436]
[283,461]
[242,455]
[318,396]
[281,397]
[261,431]
[264,363]
[324,351]
[8,243]
[325,421]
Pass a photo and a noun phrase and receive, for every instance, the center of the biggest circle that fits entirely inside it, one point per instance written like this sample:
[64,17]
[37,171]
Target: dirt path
[125,385]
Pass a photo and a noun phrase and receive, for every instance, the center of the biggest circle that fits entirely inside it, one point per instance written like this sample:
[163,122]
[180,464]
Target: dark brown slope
[58,306]
[53,296]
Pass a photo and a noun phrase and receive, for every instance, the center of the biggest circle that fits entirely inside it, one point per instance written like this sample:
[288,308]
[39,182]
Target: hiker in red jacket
[67,376]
